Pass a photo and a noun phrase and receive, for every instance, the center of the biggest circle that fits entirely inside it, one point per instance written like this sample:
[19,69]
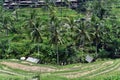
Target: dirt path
[108,70]
[86,72]
[74,72]
[28,67]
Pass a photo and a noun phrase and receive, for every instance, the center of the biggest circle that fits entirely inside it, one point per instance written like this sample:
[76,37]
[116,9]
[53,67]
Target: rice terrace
[59,39]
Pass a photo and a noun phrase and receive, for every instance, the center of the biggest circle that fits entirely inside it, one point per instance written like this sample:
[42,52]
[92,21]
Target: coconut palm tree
[16,14]
[29,23]
[99,9]
[36,34]
[55,38]
[32,27]
[6,24]
[97,32]
[82,33]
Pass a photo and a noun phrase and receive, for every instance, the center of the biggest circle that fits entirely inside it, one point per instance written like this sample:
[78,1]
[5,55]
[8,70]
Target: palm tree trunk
[96,50]
[38,49]
[6,32]
[61,9]
[56,46]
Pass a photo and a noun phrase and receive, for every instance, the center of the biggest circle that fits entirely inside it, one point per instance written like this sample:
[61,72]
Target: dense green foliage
[61,35]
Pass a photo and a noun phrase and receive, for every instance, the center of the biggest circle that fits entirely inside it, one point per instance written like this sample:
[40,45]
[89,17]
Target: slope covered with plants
[59,35]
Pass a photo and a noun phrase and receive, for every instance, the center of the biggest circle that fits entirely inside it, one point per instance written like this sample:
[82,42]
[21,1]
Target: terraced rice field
[21,70]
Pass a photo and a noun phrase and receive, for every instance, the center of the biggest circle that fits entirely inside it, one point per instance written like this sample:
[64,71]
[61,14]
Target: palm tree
[6,24]
[97,32]
[32,27]
[30,22]
[82,33]
[36,35]
[99,9]
[16,14]
[55,38]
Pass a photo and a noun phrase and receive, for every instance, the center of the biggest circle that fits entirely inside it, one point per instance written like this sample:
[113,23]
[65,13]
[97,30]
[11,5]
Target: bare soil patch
[93,69]
[28,67]
[80,73]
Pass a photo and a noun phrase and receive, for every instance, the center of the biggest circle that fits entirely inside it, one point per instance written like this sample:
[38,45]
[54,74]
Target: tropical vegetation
[60,35]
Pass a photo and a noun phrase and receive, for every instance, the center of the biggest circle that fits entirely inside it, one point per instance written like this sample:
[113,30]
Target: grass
[100,70]
[11,77]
